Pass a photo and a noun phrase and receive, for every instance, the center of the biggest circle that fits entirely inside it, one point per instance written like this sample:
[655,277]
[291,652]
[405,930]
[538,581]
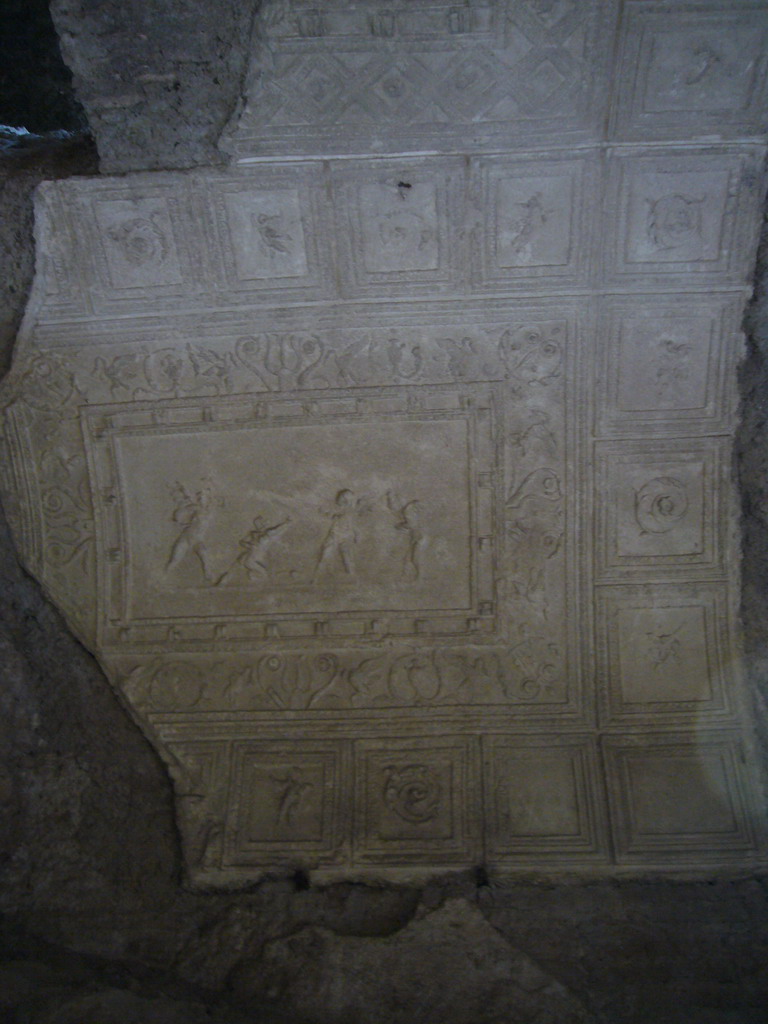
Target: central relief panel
[255,523]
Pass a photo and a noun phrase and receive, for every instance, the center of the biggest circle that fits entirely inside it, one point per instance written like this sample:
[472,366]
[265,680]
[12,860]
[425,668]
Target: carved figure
[205,843]
[460,20]
[339,543]
[382,23]
[467,358]
[665,647]
[660,504]
[526,227]
[290,793]
[407,522]
[404,358]
[200,798]
[255,545]
[674,221]
[310,24]
[194,515]
[549,10]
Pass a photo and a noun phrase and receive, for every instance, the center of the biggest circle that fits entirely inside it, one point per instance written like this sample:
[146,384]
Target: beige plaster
[393,490]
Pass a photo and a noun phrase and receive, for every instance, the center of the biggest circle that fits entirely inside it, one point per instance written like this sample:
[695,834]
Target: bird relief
[274,237]
[267,234]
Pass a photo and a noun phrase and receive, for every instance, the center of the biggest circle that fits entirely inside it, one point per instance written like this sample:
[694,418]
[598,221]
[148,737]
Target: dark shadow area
[35,84]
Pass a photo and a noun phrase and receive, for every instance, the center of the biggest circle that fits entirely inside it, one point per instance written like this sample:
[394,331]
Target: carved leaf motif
[297,682]
[166,686]
[213,367]
[163,369]
[67,511]
[413,680]
[534,528]
[531,356]
[531,668]
[122,373]
[49,385]
[283,361]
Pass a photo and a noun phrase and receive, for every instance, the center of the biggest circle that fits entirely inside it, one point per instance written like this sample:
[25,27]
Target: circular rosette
[661,504]
[413,792]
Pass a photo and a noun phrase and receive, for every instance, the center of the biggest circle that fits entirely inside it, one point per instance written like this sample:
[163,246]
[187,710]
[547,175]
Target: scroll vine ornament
[46,398]
[273,362]
[68,518]
[48,384]
[534,525]
[529,670]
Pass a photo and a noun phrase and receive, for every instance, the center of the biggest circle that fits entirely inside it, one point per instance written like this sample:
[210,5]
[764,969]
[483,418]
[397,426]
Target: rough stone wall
[752,463]
[95,924]
[158,80]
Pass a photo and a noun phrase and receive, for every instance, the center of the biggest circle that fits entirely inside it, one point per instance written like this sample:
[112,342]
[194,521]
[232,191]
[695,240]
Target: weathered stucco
[90,857]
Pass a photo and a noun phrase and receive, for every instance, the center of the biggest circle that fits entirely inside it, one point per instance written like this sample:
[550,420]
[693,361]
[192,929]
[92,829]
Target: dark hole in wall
[35,84]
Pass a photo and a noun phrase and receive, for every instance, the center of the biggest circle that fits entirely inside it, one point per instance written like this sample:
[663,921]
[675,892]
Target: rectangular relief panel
[288,804]
[426,77]
[666,652]
[543,801]
[667,364]
[691,69]
[400,225]
[679,798]
[416,801]
[529,221]
[378,507]
[660,508]
[272,231]
[681,218]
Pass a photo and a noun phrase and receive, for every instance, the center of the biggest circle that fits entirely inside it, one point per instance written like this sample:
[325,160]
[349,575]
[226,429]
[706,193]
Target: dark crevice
[35,84]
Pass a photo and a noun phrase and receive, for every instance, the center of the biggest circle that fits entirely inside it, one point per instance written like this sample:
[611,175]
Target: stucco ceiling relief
[387,471]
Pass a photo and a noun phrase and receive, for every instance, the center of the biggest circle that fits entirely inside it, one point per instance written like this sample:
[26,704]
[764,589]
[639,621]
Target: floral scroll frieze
[529,671]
